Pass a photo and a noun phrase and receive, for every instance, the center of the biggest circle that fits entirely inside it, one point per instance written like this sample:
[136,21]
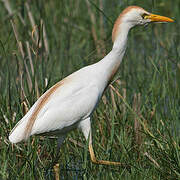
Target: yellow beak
[157,18]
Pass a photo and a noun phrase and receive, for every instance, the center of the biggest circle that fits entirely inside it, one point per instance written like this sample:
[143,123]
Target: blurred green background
[41,42]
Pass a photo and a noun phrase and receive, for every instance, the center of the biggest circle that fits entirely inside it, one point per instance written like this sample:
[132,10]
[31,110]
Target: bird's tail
[17,134]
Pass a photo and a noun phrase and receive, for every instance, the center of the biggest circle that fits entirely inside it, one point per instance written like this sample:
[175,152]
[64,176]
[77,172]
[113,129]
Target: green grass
[148,82]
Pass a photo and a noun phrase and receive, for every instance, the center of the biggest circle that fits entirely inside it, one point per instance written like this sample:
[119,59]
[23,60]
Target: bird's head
[133,16]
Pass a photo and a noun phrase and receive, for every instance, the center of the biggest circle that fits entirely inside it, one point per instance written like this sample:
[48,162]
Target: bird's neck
[120,41]
[111,62]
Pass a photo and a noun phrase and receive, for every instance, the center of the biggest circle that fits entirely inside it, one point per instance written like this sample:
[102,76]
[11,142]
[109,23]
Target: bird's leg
[94,160]
[56,166]
[56,172]
[59,143]
[85,126]
[54,163]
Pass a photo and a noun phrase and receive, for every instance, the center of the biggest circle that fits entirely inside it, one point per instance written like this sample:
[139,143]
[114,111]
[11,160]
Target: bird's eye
[144,15]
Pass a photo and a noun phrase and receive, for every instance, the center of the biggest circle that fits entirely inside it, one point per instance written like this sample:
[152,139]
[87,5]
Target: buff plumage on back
[39,106]
[118,21]
[34,114]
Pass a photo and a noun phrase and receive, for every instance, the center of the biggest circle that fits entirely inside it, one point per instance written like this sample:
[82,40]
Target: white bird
[70,103]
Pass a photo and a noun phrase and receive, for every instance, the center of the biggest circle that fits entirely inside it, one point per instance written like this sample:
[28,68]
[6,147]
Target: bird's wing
[65,115]
[62,106]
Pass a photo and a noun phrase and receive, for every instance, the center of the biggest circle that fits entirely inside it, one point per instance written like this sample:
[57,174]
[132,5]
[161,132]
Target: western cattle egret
[70,103]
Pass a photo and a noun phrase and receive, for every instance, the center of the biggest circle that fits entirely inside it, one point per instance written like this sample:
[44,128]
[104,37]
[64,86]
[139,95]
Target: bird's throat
[117,52]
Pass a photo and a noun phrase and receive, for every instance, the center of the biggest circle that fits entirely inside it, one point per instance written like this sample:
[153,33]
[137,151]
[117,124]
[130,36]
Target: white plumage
[70,103]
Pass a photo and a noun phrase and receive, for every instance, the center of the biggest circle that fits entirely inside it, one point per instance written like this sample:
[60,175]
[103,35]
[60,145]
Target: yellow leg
[85,126]
[57,172]
[94,160]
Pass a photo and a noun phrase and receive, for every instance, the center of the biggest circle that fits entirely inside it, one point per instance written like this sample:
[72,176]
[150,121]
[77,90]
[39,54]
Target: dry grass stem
[32,21]
[23,95]
[102,43]
[93,30]
[137,125]
[151,159]
[32,69]
[123,105]
[30,57]
[46,44]
[8,7]
[24,107]
[113,100]
[104,99]
[76,142]
[29,80]
[17,38]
